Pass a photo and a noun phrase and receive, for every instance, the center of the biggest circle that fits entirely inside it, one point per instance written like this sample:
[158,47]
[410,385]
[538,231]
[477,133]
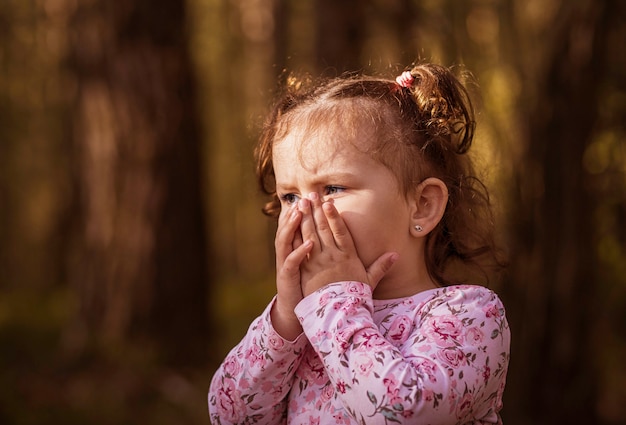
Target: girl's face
[364,191]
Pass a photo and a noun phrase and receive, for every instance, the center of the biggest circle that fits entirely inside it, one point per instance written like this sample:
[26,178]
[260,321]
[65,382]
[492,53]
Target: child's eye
[289,198]
[331,190]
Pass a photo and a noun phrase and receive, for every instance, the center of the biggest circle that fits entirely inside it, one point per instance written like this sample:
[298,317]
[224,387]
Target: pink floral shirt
[437,357]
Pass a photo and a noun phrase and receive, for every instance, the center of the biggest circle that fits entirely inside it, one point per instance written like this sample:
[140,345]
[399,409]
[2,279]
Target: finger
[288,275]
[379,268]
[288,226]
[322,228]
[297,239]
[291,266]
[341,234]
[307,225]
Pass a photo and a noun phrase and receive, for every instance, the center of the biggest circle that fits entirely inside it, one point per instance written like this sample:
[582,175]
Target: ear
[428,206]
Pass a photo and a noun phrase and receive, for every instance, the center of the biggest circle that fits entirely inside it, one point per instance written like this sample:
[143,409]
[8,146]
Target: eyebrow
[327,178]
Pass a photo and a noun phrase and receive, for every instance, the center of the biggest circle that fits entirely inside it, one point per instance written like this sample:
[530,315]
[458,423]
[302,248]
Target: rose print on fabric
[364,364]
[451,356]
[231,366]
[440,356]
[400,329]
[445,330]
[229,400]
[474,335]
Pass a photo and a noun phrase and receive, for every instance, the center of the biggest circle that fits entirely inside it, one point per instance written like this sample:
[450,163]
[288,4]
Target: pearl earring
[418,228]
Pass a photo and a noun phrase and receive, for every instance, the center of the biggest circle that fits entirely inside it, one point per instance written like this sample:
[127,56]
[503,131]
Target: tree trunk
[340,35]
[553,293]
[140,257]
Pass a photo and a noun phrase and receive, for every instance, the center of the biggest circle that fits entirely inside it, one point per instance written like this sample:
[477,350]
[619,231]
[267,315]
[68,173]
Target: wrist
[285,323]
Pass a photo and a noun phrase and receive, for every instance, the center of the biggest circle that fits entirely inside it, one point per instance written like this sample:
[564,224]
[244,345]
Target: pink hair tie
[405,79]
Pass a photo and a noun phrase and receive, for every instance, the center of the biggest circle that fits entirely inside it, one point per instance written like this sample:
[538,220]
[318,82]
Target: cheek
[375,230]
[352,217]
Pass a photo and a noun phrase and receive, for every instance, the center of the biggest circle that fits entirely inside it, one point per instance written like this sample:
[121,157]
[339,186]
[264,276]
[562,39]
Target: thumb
[379,268]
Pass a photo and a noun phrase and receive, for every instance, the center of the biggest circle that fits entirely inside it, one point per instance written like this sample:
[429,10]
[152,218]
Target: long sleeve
[442,362]
[252,383]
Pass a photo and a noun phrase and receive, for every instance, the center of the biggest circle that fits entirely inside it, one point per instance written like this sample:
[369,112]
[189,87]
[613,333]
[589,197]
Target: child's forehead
[327,129]
[323,141]
[327,151]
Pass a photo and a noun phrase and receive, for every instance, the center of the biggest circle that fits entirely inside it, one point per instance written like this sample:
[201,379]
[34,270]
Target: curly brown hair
[420,131]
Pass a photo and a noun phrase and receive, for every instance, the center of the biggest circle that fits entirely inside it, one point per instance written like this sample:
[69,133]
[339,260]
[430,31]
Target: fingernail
[313,196]
[303,203]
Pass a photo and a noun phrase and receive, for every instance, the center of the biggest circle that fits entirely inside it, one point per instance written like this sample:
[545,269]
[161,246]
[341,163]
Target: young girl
[378,211]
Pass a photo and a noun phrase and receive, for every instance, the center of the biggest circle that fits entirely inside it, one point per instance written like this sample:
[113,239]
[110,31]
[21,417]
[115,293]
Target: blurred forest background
[133,254]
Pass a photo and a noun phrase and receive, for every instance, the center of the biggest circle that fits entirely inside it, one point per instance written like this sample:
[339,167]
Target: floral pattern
[440,356]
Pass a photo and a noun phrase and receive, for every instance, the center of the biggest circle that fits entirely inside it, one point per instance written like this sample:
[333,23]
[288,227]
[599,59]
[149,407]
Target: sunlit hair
[420,131]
